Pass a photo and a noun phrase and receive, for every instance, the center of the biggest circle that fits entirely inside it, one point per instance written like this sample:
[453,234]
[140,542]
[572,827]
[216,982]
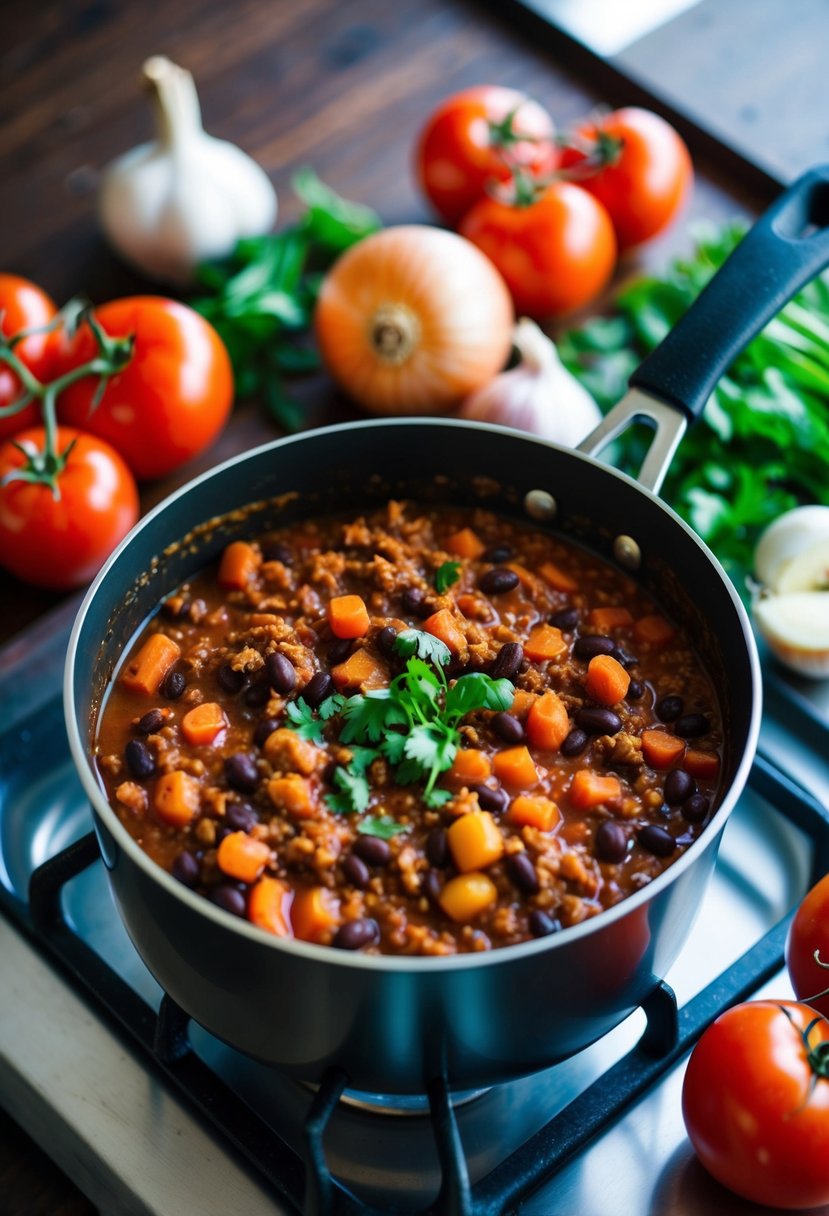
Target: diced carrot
[348,616]
[315,913]
[470,767]
[241,857]
[534,811]
[522,702]
[204,724]
[515,768]
[146,671]
[704,765]
[527,578]
[360,670]
[544,642]
[292,794]
[548,724]
[610,617]
[239,563]
[465,543]
[607,681]
[176,798]
[660,749]
[475,841]
[268,906]
[467,895]
[443,625]
[589,789]
[474,608]
[558,578]
[653,630]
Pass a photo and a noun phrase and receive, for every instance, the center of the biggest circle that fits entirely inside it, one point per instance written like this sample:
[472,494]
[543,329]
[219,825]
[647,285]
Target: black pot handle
[786,248]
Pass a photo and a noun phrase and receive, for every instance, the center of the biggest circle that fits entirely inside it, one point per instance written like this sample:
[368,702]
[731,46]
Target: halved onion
[793,552]
[796,627]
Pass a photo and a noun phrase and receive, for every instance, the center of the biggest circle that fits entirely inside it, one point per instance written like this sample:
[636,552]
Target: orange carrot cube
[241,857]
[515,768]
[536,811]
[348,616]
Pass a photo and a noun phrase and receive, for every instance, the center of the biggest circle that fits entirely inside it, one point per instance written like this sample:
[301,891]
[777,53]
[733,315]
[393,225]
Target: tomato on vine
[477,137]
[23,306]
[755,1101]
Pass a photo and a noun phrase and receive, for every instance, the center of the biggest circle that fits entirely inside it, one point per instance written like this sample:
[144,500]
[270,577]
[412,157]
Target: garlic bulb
[186,197]
[539,395]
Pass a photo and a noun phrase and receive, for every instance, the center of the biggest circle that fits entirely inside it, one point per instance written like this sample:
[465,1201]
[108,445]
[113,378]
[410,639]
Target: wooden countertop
[341,87]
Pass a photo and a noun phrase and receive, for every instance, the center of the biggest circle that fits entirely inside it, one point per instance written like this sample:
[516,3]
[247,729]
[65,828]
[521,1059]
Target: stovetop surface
[643,1163]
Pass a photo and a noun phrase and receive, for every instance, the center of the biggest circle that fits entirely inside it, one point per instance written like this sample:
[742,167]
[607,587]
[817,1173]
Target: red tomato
[173,397]
[467,142]
[755,1101]
[556,254]
[62,542]
[809,933]
[23,306]
[646,177]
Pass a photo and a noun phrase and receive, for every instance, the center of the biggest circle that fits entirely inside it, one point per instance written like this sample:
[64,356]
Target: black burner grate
[306,1182]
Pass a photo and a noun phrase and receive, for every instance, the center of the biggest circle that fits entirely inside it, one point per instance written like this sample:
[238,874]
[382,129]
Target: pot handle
[782,252]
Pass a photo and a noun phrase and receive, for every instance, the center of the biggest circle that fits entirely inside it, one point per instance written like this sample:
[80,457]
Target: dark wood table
[341,87]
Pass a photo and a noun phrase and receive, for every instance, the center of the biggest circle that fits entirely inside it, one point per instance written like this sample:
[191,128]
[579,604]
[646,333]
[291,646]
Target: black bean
[437,848]
[356,872]
[186,869]
[140,760]
[413,602]
[264,728]
[386,638]
[373,849]
[489,799]
[669,708]
[241,772]
[173,686]
[597,721]
[277,552]
[317,689]
[679,786]
[257,694]
[565,619]
[522,872]
[622,656]
[280,673]
[338,651]
[591,644]
[432,886]
[656,840]
[542,924]
[691,726]
[507,728]
[229,898]
[499,553]
[636,691]
[507,661]
[240,817]
[229,679]
[355,934]
[695,810]
[151,723]
[575,743]
[610,842]
[498,581]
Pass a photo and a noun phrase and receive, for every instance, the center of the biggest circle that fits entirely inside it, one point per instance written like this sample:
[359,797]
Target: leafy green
[446,575]
[380,825]
[261,299]
[762,445]
[412,724]
[306,723]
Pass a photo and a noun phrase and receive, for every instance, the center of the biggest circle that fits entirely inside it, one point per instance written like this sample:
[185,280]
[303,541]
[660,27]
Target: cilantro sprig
[446,575]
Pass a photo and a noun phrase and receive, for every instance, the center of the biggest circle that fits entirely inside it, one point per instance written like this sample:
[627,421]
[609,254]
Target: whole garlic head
[186,197]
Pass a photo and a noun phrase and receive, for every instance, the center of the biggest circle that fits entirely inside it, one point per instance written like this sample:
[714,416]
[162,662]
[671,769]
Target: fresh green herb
[446,575]
[381,825]
[412,724]
[306,723]
[762,445]
[261,299]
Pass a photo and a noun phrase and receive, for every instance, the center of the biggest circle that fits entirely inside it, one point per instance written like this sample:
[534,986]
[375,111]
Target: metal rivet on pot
[540,505]
[627,552]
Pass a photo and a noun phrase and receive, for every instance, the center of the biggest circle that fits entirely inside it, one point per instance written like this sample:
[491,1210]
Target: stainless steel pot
[394,1023]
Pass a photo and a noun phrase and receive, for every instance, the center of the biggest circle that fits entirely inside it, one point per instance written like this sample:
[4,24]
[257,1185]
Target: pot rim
[390,963]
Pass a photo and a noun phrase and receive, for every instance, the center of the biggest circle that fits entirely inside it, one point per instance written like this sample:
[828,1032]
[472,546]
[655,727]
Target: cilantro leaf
[381,825]
[436,798]
[306,725]
[392,746]
[477,691]
[354,792]
[446,575]
[416,641]
[369,716]
[331,705]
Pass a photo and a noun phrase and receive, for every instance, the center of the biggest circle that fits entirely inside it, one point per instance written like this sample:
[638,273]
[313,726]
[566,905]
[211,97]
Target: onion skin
[413,319]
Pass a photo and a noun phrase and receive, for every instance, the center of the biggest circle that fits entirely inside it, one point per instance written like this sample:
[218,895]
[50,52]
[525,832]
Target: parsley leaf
[381,825]
[446,575]
[430,649]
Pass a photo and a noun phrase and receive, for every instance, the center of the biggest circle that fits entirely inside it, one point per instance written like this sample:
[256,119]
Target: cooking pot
[394,1023]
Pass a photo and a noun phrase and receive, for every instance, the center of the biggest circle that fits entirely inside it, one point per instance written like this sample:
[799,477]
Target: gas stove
[150,1115]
